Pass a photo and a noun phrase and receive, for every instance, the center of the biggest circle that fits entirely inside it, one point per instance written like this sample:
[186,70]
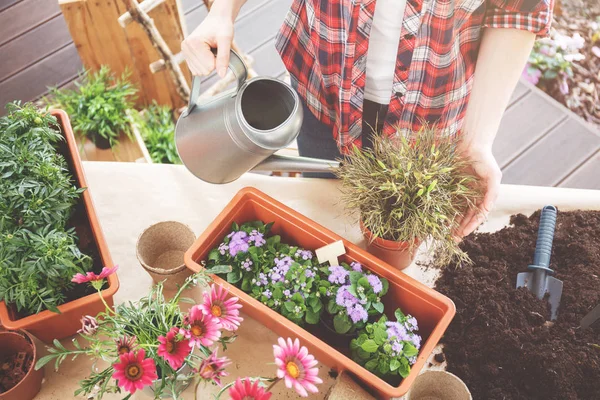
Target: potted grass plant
[408,190]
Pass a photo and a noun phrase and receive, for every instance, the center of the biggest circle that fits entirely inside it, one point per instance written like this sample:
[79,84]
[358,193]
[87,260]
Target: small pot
[398,254]
[341,341]
[20,342]
[101,142]
[346,388]
[160,250]
[438,385]
[183,381]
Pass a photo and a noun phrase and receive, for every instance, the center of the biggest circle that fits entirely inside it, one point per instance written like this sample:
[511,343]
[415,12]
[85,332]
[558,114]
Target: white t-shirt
[383,49]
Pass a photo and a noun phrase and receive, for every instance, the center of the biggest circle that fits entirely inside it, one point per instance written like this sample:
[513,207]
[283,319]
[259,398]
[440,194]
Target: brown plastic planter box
[48,325]
[433,310]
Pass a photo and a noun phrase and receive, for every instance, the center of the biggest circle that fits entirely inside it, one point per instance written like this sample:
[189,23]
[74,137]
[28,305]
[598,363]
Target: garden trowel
[539,281]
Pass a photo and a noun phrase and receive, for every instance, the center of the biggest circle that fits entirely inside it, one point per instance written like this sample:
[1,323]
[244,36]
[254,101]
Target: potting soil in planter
[13,369]
[500,342]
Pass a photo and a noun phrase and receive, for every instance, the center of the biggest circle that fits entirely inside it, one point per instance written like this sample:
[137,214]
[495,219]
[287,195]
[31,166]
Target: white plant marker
[331,252]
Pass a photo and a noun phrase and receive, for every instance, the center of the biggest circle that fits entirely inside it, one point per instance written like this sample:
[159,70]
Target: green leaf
[311,317]
[379,307]
[214,255]
[219,269]
[409,350]
[379,335]
[394,364]
[289,305]
[371,365]
[369,346]
[234,276]
[342,323]
[399,314]
[404,368]
[385,286]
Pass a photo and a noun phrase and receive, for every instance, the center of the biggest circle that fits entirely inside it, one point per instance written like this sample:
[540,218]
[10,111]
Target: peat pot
[438,385]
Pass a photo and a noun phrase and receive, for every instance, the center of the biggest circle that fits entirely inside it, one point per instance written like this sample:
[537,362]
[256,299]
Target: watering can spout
[282,163]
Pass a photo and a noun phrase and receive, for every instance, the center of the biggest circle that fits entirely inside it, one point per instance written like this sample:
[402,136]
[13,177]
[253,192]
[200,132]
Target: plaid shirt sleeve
[530,15]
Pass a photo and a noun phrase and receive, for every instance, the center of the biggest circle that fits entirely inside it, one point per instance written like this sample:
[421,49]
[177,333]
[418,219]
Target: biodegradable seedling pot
[438,385]
[433,310]
[48,325]
[160,250]
[398,254]
[345,388]
[18,355]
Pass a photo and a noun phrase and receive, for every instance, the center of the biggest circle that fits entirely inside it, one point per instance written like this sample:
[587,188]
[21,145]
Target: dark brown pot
[101,142]
[398,254]
[28,387]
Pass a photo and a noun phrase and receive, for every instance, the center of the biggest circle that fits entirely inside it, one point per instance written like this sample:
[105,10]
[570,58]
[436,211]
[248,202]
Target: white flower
[574,57]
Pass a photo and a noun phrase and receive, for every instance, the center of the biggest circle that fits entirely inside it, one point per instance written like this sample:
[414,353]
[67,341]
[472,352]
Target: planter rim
[252,194]
[23,334]
[384,243]
[160,271]
[113,280]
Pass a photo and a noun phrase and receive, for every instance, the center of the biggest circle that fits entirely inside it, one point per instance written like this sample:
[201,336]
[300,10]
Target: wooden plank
[267,61]
[33,46]
[24,16]
[520,91]
[195,16]
[188,5]
[27,85]
[552,158]
[7,3]
[523,124]
[260,24]
[587,176]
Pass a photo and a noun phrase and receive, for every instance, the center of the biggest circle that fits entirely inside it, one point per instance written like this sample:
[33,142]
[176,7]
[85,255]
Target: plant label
[592,317]
[331,252]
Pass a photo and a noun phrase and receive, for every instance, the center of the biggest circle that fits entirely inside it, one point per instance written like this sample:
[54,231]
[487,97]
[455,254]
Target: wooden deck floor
[539,141]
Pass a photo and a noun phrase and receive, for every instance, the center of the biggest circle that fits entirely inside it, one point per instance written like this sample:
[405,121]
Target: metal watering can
[240,130]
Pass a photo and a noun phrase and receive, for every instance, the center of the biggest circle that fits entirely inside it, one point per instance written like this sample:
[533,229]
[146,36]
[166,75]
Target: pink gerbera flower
[204,328]
[226,311]
[212,368]
[173,350]
[246,390]
[296,367]
[134,371]
[90,276]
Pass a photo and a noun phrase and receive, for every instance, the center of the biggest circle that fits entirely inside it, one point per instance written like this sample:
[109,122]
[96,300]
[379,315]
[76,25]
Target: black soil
[500,342]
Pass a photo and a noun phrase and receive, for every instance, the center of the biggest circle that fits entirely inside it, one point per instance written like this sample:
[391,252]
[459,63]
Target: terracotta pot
[12,343]
[160,249]
[398,254]
[438,385]
[48,325]
[433,310]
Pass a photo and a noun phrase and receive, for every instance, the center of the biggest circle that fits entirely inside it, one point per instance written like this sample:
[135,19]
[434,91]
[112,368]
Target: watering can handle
[236,65]
[543,247]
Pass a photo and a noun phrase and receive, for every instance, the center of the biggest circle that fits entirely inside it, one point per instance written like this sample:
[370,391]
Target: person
[391,65]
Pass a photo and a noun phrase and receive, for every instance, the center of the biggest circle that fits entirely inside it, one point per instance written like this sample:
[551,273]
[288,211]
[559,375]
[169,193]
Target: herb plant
[38,254]
[411,189]
[98,107]
[158,131]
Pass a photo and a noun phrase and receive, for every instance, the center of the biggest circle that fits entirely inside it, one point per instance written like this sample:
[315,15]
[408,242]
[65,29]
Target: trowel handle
[543,247]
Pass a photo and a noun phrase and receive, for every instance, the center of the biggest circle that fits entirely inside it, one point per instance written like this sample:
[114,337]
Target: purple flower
[531,74]
[247,265]
[356,266]
[89,325]
[344,298]
[309,273]
[398,331]
[358,313]
[287,293]
[267,293]
[338,274]
[284,263]
[238,243]
[304,254]
[563,86]
[223,248]
[412,360]
[411,323]
[262,280]
[397,347]
[416,340]
[375,283]
[257,238]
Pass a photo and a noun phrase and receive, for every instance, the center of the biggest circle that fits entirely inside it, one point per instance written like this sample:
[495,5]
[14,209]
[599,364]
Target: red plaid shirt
[324,43]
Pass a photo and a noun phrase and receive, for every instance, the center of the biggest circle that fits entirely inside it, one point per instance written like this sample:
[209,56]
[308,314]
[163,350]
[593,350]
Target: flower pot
[438,385]
[340,341]
[20,344]
[433,310]
[48,325]
[101,142]
[398,254]
[160,250]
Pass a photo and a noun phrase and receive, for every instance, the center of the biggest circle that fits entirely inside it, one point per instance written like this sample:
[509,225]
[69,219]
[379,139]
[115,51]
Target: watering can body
[221,138]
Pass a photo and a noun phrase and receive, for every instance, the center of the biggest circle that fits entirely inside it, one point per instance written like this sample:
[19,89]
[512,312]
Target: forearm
[227,8]
[502,56]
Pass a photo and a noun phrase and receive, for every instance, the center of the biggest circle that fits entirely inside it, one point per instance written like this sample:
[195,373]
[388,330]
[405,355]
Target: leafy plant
[158,131]
[388,348]
[38,255]
[99,105]
[411,189]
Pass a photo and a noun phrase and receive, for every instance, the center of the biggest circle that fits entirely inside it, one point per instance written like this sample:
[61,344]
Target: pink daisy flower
[296,367]
[174,351]
[90,276]
[225,311]
[212,368]
[134,371]
[246,390]
[204,329]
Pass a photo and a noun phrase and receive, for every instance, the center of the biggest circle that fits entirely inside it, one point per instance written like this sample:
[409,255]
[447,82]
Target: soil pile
[500,342]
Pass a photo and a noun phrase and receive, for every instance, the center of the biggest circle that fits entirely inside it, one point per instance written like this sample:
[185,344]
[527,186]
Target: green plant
[38,255]
[158,131]
[411,189]
[99,106]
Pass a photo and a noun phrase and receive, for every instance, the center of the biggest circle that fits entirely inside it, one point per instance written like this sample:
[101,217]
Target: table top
[130,197]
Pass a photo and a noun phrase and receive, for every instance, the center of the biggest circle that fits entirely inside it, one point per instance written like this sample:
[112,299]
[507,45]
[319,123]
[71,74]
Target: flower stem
[196,389]
[108,309]
[273,384]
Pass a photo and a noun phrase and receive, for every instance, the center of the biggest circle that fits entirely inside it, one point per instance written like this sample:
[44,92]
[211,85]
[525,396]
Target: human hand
[216,31]
[485,167]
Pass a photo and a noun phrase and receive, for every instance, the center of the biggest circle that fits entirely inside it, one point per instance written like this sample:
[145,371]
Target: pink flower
[90,276]
[225,311]
[213,368]
[134,371]
[125,344]
[204,329]
[296,367]
[89,325]
[172,350]
[531,74]
[246,390]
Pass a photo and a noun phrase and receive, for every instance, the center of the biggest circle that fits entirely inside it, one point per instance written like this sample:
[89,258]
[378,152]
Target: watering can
[220,138]
[539,280]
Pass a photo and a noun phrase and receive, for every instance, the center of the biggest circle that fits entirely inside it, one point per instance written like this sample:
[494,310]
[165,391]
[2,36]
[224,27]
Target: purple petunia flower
[338,274]
[358,313]
[356,266]
[375,283]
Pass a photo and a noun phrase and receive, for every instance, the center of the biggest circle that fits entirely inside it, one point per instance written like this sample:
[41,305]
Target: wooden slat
[524,124]
[189,5]
[249,33]
[194,17]
[33,46]
[81,27]
[553,158]
[587,176]
[24,16]
[267,61]
[7,3]
[520,91]
[56,69]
